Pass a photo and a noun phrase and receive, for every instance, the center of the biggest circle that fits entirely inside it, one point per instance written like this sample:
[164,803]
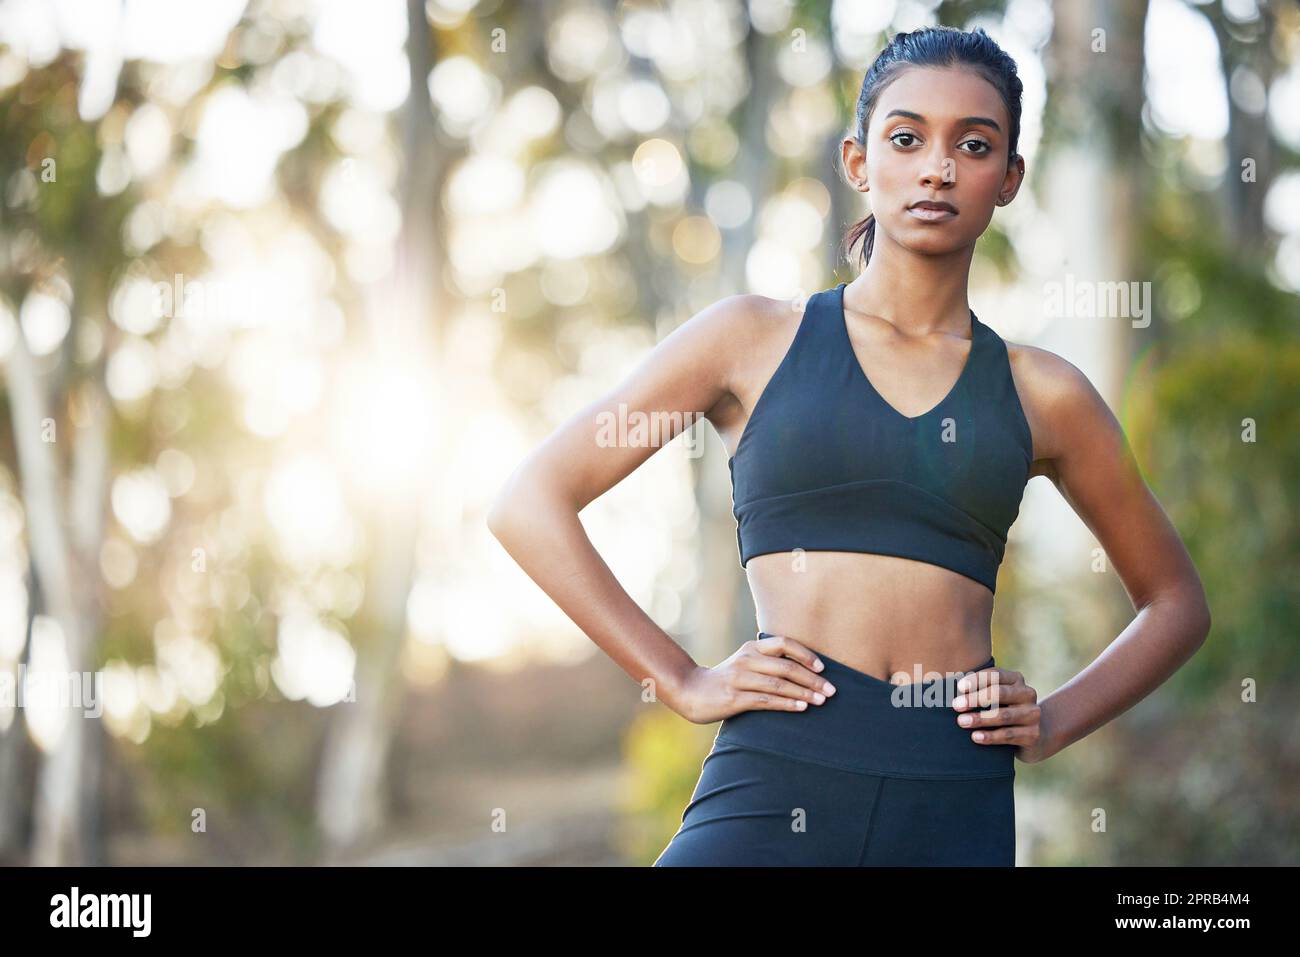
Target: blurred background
[288,288]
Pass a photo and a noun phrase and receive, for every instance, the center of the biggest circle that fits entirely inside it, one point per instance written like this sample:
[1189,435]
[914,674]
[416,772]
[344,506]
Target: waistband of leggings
[874,727]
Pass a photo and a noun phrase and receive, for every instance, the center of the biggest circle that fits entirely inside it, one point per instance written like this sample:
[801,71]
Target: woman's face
[942,135]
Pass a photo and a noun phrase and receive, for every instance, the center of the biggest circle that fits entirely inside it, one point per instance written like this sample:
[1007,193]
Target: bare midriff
[893,618]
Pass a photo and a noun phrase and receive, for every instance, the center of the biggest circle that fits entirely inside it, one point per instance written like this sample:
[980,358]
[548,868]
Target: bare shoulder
[708,346]
[1057,398]
[763,323]
[733,324]
[743,329]
[1047,378]
[751,316]
[750,333]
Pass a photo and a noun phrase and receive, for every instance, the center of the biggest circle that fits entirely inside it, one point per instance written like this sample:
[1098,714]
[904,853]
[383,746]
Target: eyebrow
[964,121]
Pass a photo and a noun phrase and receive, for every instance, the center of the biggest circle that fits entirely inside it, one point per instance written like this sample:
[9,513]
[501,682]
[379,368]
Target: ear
[1011,182]
[853,156]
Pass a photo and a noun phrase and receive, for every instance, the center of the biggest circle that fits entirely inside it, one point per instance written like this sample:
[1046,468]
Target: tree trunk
[57,813]
[1242,200]
[723,607]
[351,805]
[91,473]
[1093,176]
[14,773]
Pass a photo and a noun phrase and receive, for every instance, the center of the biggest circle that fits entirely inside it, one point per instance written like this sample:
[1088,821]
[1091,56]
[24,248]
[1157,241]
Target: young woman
[881,440]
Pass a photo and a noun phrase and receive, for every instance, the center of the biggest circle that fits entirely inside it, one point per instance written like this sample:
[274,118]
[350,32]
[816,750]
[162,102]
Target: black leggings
[879,774]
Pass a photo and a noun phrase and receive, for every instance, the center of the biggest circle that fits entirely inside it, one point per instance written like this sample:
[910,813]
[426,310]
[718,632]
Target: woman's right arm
[535,518]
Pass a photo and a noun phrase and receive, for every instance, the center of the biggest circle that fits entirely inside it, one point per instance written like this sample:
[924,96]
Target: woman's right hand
[772,673]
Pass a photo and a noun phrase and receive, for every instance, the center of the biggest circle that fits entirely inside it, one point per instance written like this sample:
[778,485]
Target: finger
[775,684]
[780,645]
[993,700]
[790,670]
[1002,696]
[984,677]
[987,677]
[761,701]
[1022,734]
[1005,715]
[977,689]
[992,690]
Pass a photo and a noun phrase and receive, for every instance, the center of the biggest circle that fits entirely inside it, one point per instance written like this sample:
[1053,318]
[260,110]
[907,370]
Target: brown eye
[986,146]
[894,138]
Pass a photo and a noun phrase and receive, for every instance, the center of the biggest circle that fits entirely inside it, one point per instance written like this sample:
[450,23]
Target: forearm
[1162,636]
[547,539]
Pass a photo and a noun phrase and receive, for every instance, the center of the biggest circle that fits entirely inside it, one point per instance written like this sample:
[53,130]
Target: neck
[917,294]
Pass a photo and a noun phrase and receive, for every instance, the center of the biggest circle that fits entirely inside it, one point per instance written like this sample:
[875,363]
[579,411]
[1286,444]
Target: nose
[938,168]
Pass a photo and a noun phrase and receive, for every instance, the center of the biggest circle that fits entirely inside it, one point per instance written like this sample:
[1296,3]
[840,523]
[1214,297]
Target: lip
[932,211]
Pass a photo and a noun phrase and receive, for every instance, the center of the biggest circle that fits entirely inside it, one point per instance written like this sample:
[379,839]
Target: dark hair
[932,46]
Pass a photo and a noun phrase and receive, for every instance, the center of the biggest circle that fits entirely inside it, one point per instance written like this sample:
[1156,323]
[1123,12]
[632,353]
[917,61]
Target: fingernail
[959,701]
[964,721]
[818,698]
[830,688]
[817,664]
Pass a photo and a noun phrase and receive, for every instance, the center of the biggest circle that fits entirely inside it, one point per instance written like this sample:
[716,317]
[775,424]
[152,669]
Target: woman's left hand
[1014,718]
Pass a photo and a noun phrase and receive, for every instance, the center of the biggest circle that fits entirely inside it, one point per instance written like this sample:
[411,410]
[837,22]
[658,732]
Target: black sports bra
[826,464]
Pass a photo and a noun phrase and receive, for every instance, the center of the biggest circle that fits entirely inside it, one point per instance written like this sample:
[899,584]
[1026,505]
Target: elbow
[1188,610]
[516,504]
[499,517]
[1199,611]
[499,512]
[519,504]
[1204,622]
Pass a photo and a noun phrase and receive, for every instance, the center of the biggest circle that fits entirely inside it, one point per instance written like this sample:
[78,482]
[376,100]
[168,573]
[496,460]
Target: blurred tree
[1248,59]
[350,801]
[62,241]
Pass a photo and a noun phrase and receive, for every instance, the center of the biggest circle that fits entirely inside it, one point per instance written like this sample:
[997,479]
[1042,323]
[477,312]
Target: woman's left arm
[1086,454]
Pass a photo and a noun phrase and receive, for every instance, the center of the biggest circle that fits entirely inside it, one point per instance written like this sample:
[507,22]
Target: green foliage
[663,754]
[1195,775]
[252,794]
[1189,416]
